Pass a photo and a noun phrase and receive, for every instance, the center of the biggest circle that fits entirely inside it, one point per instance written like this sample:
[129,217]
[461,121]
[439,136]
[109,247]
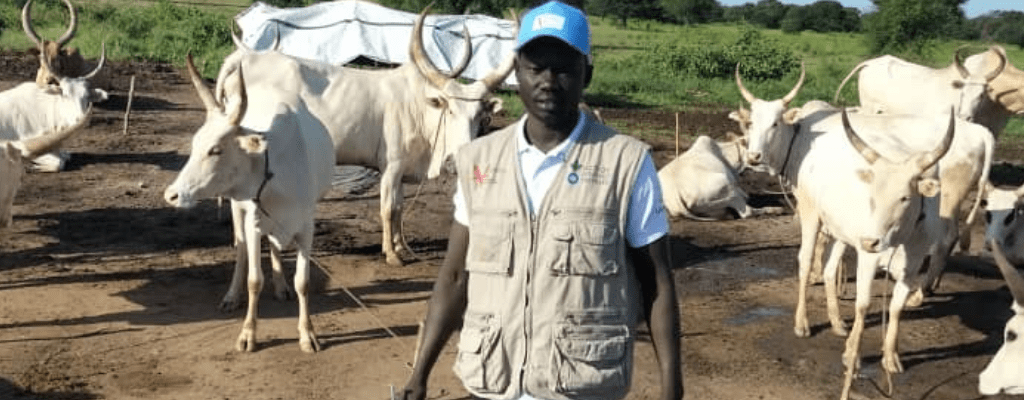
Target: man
[559,244]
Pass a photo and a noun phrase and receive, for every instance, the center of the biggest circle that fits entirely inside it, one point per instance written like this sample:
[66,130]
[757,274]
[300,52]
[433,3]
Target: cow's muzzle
[871,245]
[754,158]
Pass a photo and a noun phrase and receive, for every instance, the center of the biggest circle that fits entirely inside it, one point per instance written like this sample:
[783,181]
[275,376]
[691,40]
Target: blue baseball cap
[557,20]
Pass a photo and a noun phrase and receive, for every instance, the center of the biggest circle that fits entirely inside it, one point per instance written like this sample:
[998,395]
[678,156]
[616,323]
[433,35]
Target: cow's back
[890,85]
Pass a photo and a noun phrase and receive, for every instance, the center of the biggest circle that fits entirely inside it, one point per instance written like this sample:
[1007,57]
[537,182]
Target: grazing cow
[56,60]
[14,153]
[1004,221]
[859,196]
[1005,92]
[405,122]
[703,183]
[28,110]
[889,85]
[273,159]
[1003,373]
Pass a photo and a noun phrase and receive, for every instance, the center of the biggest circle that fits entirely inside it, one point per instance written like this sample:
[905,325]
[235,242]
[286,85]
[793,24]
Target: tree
[910,25]
[692,11]
[624,10]
[768,13]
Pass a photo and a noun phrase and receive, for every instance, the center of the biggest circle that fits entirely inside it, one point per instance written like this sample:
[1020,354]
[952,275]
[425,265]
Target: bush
[757,56]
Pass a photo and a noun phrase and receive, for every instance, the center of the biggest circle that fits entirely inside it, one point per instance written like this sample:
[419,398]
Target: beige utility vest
[552,301]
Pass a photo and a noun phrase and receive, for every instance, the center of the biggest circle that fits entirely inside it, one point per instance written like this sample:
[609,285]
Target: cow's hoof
[309,343]
[916,299]
[802,331]
[892,364]
[230,303]
[393,260]
[284,293]
[840,330]
[246,341]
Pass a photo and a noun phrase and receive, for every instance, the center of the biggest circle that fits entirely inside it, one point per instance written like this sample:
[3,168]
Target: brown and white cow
[54,58]
[1005,92]
[405,122]
[267,153]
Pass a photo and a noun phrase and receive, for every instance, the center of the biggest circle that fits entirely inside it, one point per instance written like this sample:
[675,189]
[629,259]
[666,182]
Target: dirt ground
[108,293]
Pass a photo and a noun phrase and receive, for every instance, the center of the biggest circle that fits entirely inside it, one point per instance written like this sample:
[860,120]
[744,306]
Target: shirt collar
[523,146]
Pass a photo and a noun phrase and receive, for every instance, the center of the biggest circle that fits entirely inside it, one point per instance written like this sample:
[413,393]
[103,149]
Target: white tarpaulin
[340,31]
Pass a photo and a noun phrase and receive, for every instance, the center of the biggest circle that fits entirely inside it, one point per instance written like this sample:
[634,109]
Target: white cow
[1004,221]
[1003,373]
[857,195]
[273,159]
[1005,91]
[889,85]
[703,183]
[15,153]
[27,110]
[405,122]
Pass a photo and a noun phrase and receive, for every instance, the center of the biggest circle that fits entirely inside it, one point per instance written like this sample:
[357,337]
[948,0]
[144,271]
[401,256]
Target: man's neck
[546,137]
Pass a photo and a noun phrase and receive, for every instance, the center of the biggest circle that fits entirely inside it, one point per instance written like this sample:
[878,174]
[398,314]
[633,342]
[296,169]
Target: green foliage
[909,25]
[1003,26]
[624,10]
[287,3]
[692,11]
[758,58]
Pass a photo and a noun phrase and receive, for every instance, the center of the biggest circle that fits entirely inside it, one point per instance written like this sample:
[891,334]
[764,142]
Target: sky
[972,8]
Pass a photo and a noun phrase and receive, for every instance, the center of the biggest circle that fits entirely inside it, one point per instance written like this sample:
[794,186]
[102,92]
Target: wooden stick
[128,108]
[677,134]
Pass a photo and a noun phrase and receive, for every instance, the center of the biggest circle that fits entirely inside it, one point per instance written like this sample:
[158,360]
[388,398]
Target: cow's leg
[830,276]
[820,243]
[50,162]
[390,205]
[933,275]
[906,278]
[307,337]
[281,290]
[247,339]
[233,298]
[809,225]
[866,266]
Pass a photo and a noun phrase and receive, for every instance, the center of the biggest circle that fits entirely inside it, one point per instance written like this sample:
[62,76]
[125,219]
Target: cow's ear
[97,95]
[437,102]
[865,175]
[928,187]
[494,104]
[957,84]
[252,143]
[790,116]
[735,116]
[53,89]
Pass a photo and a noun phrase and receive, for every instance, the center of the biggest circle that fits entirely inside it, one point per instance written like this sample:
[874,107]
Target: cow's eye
[215,151]
[905,199]
[1011,336]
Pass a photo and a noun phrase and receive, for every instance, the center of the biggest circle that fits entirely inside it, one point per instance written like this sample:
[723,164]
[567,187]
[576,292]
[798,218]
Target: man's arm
[444,313]
[652,263]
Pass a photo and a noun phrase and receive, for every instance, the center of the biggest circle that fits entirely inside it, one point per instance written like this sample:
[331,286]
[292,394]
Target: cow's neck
[780,156]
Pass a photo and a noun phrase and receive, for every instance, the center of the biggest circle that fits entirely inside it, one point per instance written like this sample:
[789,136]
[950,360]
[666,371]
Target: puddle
[755,314]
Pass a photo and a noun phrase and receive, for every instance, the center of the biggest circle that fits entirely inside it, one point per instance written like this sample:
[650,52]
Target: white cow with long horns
[405,122]
[1003,373]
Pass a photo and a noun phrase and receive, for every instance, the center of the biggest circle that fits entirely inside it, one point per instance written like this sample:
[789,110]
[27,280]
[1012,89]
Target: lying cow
[273,159]
[703,183]
[55,59]
[405,122]
[15,153]
[28,110]
[1004,221]
[1003,373]
[889,85]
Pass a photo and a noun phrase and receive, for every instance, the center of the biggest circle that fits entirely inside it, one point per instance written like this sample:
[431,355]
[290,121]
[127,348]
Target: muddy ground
[108,293]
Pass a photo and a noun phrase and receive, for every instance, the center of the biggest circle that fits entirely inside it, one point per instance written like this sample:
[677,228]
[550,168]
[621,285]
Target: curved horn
[419,57]
[800,82]
[1002,64]
[38,145]
[238,110]
[1013,279]
[72,26]
[743,91]
[499,73]
[204,92]
[26,25]
[964,73]
[869,154]
[933,157]
[467,51]
[99,65]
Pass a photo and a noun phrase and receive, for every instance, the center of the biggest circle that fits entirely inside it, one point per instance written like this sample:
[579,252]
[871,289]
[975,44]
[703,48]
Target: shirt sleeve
[646,221]
[461,215]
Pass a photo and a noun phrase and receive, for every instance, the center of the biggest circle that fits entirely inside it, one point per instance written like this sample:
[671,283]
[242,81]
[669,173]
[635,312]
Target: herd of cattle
[887,178]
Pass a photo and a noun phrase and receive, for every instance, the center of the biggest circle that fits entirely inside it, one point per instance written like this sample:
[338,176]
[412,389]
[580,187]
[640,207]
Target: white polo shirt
[646,221]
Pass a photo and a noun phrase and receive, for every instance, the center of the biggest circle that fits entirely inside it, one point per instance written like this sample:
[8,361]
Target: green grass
[162,31]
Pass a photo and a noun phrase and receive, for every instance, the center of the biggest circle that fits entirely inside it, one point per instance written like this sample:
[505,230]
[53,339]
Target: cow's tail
[983,180]
[835,99]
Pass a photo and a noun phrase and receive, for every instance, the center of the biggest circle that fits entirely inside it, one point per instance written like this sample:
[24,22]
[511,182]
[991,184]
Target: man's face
[551,77]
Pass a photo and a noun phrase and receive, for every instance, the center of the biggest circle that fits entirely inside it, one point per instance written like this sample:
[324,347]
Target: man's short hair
[558,20]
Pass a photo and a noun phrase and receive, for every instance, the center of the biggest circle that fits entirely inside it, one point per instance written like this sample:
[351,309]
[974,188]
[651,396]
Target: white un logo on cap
[548,21]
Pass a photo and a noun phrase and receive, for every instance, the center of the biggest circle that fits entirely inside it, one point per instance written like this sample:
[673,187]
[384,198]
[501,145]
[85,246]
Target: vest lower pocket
[590,358]
[481,362]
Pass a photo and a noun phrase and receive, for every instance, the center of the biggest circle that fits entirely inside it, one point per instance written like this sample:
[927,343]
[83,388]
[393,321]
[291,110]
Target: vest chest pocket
[584,249]
[590,358]
[482,363]
[490,249]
